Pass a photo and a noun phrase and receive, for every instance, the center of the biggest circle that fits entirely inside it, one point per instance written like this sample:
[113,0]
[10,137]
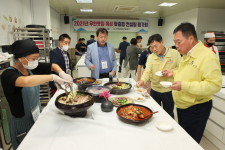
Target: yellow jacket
[154,64]
[200,76]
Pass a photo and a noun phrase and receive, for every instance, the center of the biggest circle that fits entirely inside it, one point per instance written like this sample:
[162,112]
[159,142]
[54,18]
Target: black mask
[210,44]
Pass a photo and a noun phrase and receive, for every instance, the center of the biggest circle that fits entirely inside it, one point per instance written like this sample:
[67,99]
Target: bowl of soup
[76,104]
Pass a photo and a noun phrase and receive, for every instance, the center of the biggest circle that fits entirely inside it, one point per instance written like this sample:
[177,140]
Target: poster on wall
[110,24]
[9,20]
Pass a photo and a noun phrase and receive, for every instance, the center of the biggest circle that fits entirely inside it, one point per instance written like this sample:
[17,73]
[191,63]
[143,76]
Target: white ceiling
[106,8]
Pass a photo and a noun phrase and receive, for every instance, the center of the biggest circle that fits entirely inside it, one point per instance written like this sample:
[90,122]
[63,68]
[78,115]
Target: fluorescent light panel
[167,4]
[86,10]
[150,12]
[84,1]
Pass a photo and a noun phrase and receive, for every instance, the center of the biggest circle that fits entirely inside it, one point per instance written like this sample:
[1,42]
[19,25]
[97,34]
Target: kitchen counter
[215,128]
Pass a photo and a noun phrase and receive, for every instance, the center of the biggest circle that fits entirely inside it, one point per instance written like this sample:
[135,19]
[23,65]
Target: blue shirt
[103,54]
[123,46]
[143,57]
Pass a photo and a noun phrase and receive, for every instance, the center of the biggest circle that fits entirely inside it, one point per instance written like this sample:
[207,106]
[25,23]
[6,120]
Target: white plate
[163,125]
[139,98]
[166,84]
[159,73]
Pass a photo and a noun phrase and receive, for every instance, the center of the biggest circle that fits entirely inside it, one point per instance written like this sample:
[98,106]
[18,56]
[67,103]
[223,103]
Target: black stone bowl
[130,121]
[82,83]
[96,97]
[79,110]
[119,91]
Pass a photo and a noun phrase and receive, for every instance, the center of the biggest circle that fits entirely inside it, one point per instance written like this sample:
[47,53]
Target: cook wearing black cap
[20,84]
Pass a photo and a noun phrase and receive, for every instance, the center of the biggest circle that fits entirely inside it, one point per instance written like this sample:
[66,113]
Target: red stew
[134,112]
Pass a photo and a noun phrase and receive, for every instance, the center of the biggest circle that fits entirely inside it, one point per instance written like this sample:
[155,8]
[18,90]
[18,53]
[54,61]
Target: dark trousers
[194,119]
[165,100]
[121,62]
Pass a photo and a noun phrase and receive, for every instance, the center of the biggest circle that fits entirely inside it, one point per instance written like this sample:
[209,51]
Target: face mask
[210,44]
[65,47]
[31,64]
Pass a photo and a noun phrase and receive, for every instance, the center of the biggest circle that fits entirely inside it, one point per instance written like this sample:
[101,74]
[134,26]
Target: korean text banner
[110,25]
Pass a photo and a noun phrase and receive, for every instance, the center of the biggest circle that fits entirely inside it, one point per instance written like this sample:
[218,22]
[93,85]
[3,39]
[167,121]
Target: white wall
[55,23]
[210,20]
[68,28]
[171,22]
[152,29]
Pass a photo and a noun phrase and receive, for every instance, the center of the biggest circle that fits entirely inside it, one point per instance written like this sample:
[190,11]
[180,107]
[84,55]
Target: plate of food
[97,82]
[121,100]
[140,90]
[134,113]
[119,87]
[139,98]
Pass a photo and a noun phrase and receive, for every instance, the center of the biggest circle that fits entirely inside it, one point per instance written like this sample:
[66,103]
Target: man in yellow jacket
[198,77]
[161,58]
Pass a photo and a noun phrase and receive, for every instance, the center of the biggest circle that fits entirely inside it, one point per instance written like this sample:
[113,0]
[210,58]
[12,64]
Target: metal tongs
[65,89]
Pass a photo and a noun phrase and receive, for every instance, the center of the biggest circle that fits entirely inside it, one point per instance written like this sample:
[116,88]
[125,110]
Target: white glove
[66,77]
[59,80]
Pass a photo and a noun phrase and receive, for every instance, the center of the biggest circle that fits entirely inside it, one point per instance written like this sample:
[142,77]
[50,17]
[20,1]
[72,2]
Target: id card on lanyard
[104,64]
[35,113]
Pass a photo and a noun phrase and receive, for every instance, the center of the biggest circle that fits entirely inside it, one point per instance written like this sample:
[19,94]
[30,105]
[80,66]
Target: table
[104,131]
[83,71]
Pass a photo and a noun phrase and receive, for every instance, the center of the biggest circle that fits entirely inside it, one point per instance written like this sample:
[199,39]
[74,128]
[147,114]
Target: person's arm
[114,60]
[56,68]
[147,74]
[88,59]
[139,70]
[33,80]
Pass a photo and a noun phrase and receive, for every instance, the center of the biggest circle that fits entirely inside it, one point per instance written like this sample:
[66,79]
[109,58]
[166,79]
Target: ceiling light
[84,1]
[150,12]
[86,10]
[167,4]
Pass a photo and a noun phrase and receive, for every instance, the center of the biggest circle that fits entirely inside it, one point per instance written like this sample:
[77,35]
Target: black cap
[22,48]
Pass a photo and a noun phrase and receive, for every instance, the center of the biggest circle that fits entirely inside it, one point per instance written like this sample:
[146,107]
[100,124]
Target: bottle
[110,77]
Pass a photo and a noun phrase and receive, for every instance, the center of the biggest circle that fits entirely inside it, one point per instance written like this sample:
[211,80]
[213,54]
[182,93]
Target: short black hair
[155,37]
[124,38]
[102,30]
[133,41]
[139,37]
[187,29]
[63,36]
[92,36]
[82,39]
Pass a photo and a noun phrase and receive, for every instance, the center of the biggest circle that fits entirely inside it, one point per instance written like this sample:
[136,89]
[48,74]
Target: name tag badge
[104,64]
[35,113]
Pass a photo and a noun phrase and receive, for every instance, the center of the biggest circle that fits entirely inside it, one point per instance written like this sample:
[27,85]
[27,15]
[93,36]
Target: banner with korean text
[111,25]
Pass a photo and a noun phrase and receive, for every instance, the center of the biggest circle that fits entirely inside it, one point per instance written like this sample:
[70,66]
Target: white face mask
[65,47]
[31,64]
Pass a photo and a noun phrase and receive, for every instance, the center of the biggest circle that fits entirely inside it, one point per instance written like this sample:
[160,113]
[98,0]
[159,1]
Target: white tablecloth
[104,131]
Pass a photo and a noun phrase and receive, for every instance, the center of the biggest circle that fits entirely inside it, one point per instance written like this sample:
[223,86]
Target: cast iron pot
[84,84]
[79,110]
[130,121]
[119,91]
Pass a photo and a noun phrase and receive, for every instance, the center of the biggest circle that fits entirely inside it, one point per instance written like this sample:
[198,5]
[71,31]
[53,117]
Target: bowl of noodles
[121,88]
[75,104]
